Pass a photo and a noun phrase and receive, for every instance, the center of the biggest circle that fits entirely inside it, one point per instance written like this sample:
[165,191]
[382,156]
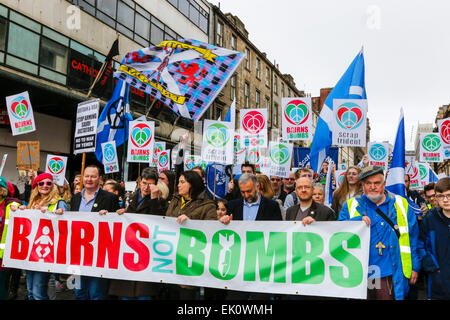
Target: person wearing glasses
[277,186]
[435,235]
[44,197]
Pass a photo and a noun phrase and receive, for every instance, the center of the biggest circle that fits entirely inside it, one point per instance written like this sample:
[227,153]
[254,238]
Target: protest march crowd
[422,261]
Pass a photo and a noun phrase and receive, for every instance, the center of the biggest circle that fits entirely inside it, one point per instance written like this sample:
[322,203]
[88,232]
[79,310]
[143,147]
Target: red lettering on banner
[20,242]
[43,244]
[82,236]
[61,254]
[106,244]
[139,247]
[297,129]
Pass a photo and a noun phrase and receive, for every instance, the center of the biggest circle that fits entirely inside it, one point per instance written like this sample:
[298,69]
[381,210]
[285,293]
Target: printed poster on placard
[110,161]
[296,118]
[239,149]
[254,155]
[339,177]
[280,154]
[264,166]
[56,166]
[159,146]
[410,162]
[254,127]
[378,153]
[191,161]
[431,149]
[218,142]
[86,126]
[444,131]
[20,113]
[414,177]
[349,122]
[164,160]
[424,172]
[140,141]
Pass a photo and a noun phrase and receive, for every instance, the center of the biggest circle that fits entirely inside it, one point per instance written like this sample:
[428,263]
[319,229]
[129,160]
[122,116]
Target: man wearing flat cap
[394,262]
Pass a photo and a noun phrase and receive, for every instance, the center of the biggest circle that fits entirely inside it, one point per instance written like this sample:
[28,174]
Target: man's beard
[375,199]
[253,199]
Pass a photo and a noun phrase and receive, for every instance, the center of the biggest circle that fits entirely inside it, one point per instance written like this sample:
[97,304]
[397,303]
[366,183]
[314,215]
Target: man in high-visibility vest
[394,261]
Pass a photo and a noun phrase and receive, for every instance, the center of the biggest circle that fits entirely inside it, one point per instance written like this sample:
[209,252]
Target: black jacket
[268,209]
[103,201]
[318,212]
[148,205]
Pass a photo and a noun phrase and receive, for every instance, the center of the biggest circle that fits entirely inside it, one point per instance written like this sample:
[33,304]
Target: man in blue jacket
[435,234]
[393,254]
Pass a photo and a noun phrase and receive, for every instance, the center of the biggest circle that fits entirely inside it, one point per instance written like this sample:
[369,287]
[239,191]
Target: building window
[142,29]
[275,115]
[282,89]
[3,25]
[23,43]
[219,34]
[125,15]
[247,58]
[247,95]
[157,35]
[258,68]
[258,98]
[108,7]
[183,6]
[53,55]
[267,77]
[233,87]
[275,85]
[233,42]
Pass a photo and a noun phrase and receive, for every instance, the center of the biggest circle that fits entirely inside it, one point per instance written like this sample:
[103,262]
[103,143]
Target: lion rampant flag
[186,75]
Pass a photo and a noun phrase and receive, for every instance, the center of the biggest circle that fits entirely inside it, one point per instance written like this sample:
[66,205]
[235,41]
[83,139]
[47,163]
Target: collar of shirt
[253,203]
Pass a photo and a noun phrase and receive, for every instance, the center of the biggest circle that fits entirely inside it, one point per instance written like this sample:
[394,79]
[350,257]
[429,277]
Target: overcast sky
[406,51]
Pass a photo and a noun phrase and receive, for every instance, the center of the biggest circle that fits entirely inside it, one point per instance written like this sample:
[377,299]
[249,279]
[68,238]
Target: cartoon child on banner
[43,245]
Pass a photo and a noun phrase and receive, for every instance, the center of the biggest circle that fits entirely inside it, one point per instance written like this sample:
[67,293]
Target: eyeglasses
[443,196]
[431,196]
[275,179]
[42,183]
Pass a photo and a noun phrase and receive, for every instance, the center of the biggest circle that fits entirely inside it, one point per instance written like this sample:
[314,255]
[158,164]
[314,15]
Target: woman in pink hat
[44,197]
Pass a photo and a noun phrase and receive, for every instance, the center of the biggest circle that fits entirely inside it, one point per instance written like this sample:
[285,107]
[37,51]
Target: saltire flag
[350,86]
[216,181]
[433,176]
[113,121]
[186,75]
[395,181]
[231,114]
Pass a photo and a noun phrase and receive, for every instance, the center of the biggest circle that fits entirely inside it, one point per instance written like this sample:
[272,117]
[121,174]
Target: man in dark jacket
[93,199]
[435,235]
[307,210]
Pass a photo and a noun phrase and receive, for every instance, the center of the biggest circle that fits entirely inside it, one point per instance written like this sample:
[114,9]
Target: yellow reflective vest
[401,206]
[5,228]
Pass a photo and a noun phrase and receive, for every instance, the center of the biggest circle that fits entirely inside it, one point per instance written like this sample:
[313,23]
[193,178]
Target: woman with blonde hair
[265,188]
[44,197]
[65,193]
[350,187]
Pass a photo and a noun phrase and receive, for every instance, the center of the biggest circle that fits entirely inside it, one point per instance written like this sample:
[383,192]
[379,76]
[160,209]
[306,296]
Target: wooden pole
[83,162]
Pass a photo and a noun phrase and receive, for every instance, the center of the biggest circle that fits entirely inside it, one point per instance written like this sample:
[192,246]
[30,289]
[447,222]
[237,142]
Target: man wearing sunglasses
[435,234]
[277,186]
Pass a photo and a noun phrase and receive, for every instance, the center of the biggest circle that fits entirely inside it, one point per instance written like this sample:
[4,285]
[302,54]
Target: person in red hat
[44,197]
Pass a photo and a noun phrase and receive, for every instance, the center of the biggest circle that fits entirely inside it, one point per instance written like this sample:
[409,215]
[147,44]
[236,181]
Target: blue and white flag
[395,181]
[433,176]
[114,119]
[329,185]
[216,181]
[231,114]
[350,86]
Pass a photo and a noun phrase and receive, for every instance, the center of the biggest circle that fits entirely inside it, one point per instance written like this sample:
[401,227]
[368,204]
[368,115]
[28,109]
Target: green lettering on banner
[301,256]
[190,260]
[225,254]
[256,250]
[354,266]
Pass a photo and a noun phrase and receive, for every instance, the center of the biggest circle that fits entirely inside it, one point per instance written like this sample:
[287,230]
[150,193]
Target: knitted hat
[41,177]
[3,183]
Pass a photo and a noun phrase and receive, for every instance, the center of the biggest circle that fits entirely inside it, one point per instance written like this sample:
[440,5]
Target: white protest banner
[410,162]
[20,113]
[349,122]
[378,153]
[339,176]
[278,257]
[296,118]
[280,154]
[254,155]
[86,126]
[239,149]
[159,146]
[191,161]
[218,142]
[444,132]
[2,166]
[431,149]
[254,127]
[164,160]
[56,166]
[141,139]
[110,161]
[424,173]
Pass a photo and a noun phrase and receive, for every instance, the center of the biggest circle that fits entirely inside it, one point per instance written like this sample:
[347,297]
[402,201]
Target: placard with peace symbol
[28,155]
